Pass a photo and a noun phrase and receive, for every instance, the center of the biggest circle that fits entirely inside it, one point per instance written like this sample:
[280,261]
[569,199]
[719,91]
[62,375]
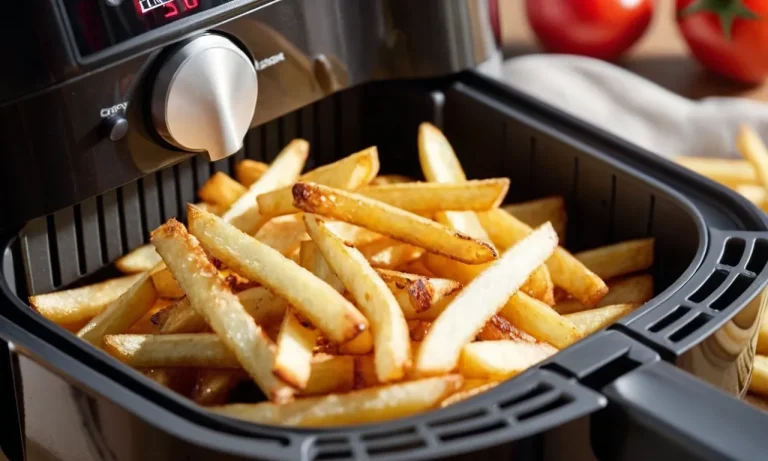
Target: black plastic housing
[614,192]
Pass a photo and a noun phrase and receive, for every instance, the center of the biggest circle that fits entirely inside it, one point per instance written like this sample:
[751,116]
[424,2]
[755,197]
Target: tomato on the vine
[728,37]
[598,28]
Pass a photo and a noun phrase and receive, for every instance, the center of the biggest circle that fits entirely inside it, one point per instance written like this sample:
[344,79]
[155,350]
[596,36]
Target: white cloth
[632,107]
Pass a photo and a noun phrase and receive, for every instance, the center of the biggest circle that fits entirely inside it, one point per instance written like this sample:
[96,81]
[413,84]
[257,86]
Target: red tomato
[599,28]
[741,55]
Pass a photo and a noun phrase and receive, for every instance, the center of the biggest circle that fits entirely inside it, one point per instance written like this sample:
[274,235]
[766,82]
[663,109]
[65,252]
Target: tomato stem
[726,10]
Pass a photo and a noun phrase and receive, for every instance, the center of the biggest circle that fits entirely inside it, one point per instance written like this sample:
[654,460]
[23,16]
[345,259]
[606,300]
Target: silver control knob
[204,97]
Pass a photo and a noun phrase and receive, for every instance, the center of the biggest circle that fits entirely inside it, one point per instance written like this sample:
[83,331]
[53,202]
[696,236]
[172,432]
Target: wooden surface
[661,55]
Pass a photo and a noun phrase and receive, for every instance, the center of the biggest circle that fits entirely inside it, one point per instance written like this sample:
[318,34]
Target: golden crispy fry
[751,147]
[244,213]
[182,350]
[365,372]
[501,359]
[330,373]
[221,190]
[179,380]
[122,313]
[416,294]
[453,270]
[388,220]
[323,306]
[355,235]
[729,172]
[759,383]
[498,328]
[471,388]
[537,212]
[142,259]
[349,173]
[416,267]
[540,321]
[566,271]
[418,329]
[295,343]
[165,285]
[762,337]
[249,171]
[540,286]
[283,233]
[362,344]
[146,325]
[428,197]
[637,289]
[212,386]
[383,179]
[357,407]
[481,300]
[387,253]
[619,259]
[753,193]
[388,327]
[81,304]
[222,310]
[593,320]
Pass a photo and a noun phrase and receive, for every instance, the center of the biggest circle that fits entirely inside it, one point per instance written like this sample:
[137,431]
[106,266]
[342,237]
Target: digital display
[99,24]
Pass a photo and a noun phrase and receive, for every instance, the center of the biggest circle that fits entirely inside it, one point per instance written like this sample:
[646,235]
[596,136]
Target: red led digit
[172,10]
[191,4]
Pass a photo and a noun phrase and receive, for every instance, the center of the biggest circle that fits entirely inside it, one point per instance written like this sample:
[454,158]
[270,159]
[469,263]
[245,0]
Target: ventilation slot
[373,436]
[709,286]
[560,402]
[690,327]
[535,392]
[333,448]
[482,429]
[334,455]
[759,256]
[53,251]
[734,250]
[737,288]
[403,445]
[479,413]
[609,372]
[669,319]
[331,441]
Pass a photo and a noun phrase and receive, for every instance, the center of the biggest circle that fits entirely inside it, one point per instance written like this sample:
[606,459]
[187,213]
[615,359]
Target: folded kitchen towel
[634,108]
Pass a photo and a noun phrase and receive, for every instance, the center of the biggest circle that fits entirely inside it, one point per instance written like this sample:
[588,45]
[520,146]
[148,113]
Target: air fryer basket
[613,192]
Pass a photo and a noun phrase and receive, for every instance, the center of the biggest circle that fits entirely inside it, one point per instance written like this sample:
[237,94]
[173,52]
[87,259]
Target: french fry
[471,388]
[416,267]
[637,289]
[416,294]
[453,270]
[566,271]
[165,285]
[212,386]
[349,173]
[283,233]
[122,313]
[142,259]
[180,380]
[249,171]
[387,253]
[540,286]
[244,213]
[204,350]
[481,300]
[71,307]
[729,172]
[145,325]
[388,220]
[355,235]
[592,320]
[537,212]
[330,373]
[759,383]
[753,193]
[388,327]
[323,306]
[619,259]
[220,189]
[498,328]
[540,321]
[428,197]
[751,147]
[418,329]
[762,336]
[365,372]
[222,310]
[501,359]
[295,343]
[383,179]
[357,407]
[362,344]
[440,164]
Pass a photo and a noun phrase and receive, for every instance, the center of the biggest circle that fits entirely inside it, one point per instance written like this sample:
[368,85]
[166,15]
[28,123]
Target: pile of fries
[748,177]
[349,297]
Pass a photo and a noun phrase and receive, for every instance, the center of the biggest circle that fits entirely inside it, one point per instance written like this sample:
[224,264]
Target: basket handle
[726,285]
[11,436]
[661,412]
